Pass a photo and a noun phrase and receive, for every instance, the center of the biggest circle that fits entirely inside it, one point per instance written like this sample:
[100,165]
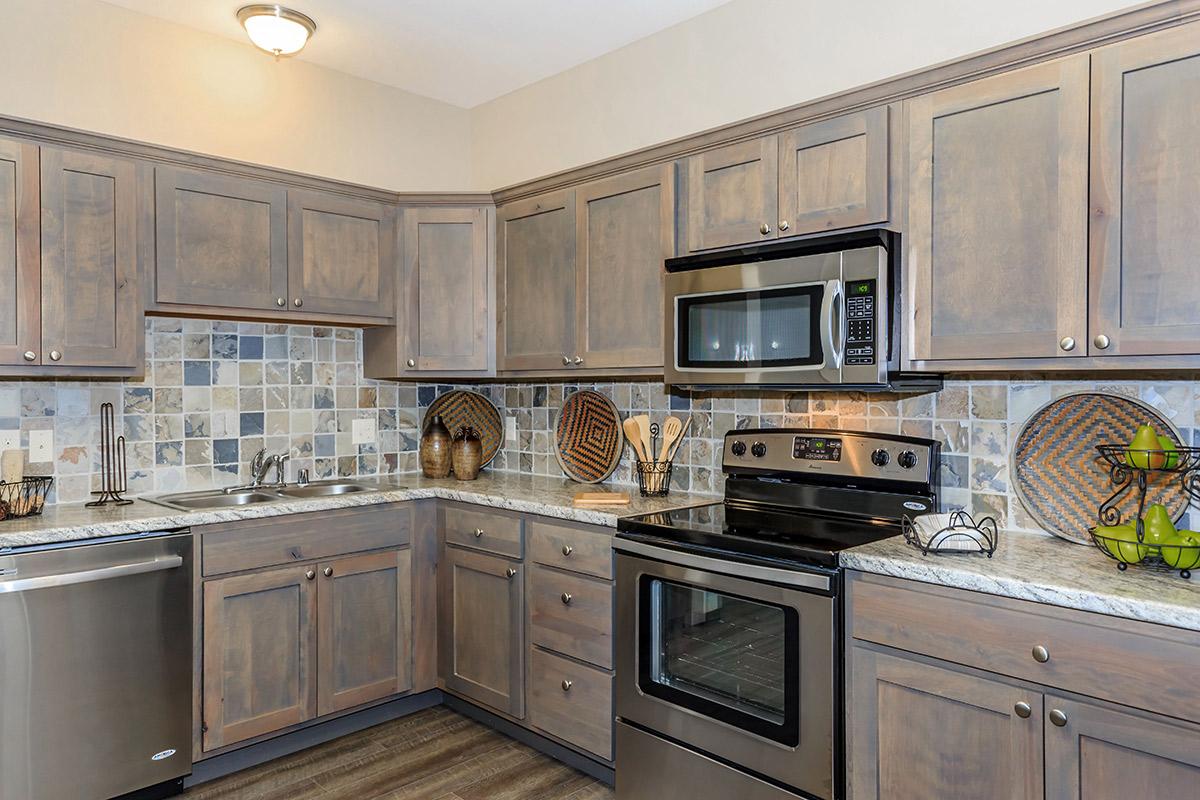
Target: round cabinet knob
[566,686]
[764,229]
[881,458]
[738,449]
[783,225]
[280,301]
[578,360]
[297,302]
[478,533]
[1067,344]
[1041,654]
[1058,718]
[566,598]
[312,573]
[510,573]
[567,550]
[55,355]
[566,361]
[412,362]
[907,459]
[758,449]
[1023,709]
[29,355]
[1102,342]
[327,572]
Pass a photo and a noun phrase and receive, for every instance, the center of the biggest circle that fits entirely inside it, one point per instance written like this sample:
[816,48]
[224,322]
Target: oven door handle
[736,569]
[832,323]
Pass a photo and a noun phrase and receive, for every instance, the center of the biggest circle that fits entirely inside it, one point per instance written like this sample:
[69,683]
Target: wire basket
[957,532]
[23,498]
[1132,550]
[654,478]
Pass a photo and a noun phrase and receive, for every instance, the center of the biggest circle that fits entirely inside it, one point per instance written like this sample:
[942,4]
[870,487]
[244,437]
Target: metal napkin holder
[960,534]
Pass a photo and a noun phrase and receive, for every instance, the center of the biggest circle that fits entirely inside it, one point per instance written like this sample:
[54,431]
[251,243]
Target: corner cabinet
[67,221]
[997,216]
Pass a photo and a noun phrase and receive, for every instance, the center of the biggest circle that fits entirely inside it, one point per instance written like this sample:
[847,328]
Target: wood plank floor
[434,754]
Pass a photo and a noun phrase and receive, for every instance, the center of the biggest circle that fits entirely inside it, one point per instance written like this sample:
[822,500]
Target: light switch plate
[10,440]
[41,446]
[363,431]
[510,430]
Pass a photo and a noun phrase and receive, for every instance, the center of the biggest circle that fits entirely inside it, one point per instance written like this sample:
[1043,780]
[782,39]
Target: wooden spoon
[643,423]
[633,433]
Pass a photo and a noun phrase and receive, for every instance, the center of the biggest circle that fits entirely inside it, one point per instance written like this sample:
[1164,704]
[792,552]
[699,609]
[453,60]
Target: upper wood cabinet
[220,241]
[341,255]
[818,177]
[20,270]
[536,282]
[1145,195]
[624,230]
[997,216]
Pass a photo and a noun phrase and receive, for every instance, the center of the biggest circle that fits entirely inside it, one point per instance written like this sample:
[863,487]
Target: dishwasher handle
[90,575]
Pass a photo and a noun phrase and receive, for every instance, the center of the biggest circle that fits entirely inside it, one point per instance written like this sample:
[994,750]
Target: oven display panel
[817,448]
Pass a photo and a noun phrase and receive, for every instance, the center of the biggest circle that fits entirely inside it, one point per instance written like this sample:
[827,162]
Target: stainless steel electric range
[729,656]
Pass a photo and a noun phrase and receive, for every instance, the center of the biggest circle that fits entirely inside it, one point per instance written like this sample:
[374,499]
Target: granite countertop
[1044,569]
[551,497]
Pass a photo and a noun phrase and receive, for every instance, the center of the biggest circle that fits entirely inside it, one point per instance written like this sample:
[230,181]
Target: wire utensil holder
[114,477]
[959,534]
[654,477]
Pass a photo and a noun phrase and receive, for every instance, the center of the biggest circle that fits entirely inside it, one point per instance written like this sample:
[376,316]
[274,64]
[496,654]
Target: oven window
[737,330]
[727,657]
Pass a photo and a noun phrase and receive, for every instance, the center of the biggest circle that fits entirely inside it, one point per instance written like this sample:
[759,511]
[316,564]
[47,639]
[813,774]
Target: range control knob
[907,459]
[880,458]
[758,449]
[738,448]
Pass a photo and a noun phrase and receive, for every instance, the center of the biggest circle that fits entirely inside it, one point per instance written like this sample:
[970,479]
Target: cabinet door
[834,174]
[535,243]
[91,302]
[20,289]
[1101,753]
[364,613]
[732,194]
[341,255]
[1146,195]
[221,241]
[481,618]
[998,216]
[448,285]
[260,640]
[625,228]
[972,741]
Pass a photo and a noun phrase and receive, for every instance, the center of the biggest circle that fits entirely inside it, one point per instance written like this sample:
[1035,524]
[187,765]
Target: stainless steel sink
[325,489]
[193,501]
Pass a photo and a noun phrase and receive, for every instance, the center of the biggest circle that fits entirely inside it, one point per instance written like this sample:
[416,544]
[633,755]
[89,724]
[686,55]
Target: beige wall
[98,67]
[746,58]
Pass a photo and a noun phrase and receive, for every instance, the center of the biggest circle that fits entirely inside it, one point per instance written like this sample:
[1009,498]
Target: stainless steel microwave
[818,313]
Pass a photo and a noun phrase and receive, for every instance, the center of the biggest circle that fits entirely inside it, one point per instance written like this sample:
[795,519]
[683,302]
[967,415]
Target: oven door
[713,656]
[766,322]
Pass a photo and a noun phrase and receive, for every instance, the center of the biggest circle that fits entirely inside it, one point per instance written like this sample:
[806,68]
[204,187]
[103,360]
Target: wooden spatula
[683,429]
[643,423]
[672,427]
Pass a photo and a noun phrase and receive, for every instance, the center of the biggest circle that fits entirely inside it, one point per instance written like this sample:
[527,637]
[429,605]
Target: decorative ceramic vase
[467,454]
[435,449]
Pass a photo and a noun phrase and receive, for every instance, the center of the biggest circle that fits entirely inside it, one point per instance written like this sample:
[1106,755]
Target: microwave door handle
[832,323]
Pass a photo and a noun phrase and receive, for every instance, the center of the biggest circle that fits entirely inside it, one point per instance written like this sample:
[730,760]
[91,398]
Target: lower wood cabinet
[481,624]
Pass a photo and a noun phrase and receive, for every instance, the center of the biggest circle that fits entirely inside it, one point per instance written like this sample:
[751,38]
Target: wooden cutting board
[602,499]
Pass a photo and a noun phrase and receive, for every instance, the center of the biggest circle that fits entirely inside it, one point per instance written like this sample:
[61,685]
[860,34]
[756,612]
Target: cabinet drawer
[587,550]
[572,702]
[571,614]
[251,544]
[1133,663]
[489,531]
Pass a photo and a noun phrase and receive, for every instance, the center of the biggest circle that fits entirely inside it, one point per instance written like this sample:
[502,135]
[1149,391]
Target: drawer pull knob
[567,550]
[764,229]
[312,573]
[1023,709]
[567,686]
[1041,654]
[55,355]
[328,572]
[1058,718]
[479,533]
[279,301]
[566,598]
[510,573]
[30,355]
[412,362]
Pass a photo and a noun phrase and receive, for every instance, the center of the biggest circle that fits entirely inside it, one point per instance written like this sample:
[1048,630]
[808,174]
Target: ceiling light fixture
[278,30]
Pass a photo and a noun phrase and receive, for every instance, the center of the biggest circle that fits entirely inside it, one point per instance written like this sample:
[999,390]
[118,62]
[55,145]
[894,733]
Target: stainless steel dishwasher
[96,668]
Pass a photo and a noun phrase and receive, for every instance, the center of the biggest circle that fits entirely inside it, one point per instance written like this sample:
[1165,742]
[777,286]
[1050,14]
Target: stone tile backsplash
[216,392]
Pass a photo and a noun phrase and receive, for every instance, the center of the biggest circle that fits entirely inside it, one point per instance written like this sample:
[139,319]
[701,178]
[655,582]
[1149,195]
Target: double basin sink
[220,498]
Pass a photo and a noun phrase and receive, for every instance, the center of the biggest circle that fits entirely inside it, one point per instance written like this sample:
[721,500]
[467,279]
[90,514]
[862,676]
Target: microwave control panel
[860,317]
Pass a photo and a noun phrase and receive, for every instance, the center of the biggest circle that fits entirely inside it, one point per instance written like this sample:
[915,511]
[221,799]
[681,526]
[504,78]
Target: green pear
[1167,445]
[1121,542]
[1183,552]
[1158,527]
[1143,451]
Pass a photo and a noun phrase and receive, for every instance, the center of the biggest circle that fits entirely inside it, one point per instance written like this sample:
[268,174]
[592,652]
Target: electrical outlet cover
[510,430]
[363,431]
[41,446]
[10,440]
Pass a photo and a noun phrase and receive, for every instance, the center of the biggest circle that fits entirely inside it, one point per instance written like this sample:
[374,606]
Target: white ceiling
[464,52]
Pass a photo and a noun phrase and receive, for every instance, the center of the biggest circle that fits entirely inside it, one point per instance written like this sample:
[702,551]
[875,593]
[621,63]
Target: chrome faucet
[260,465]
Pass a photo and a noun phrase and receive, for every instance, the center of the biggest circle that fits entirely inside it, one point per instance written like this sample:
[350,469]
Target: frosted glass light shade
[278,30]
